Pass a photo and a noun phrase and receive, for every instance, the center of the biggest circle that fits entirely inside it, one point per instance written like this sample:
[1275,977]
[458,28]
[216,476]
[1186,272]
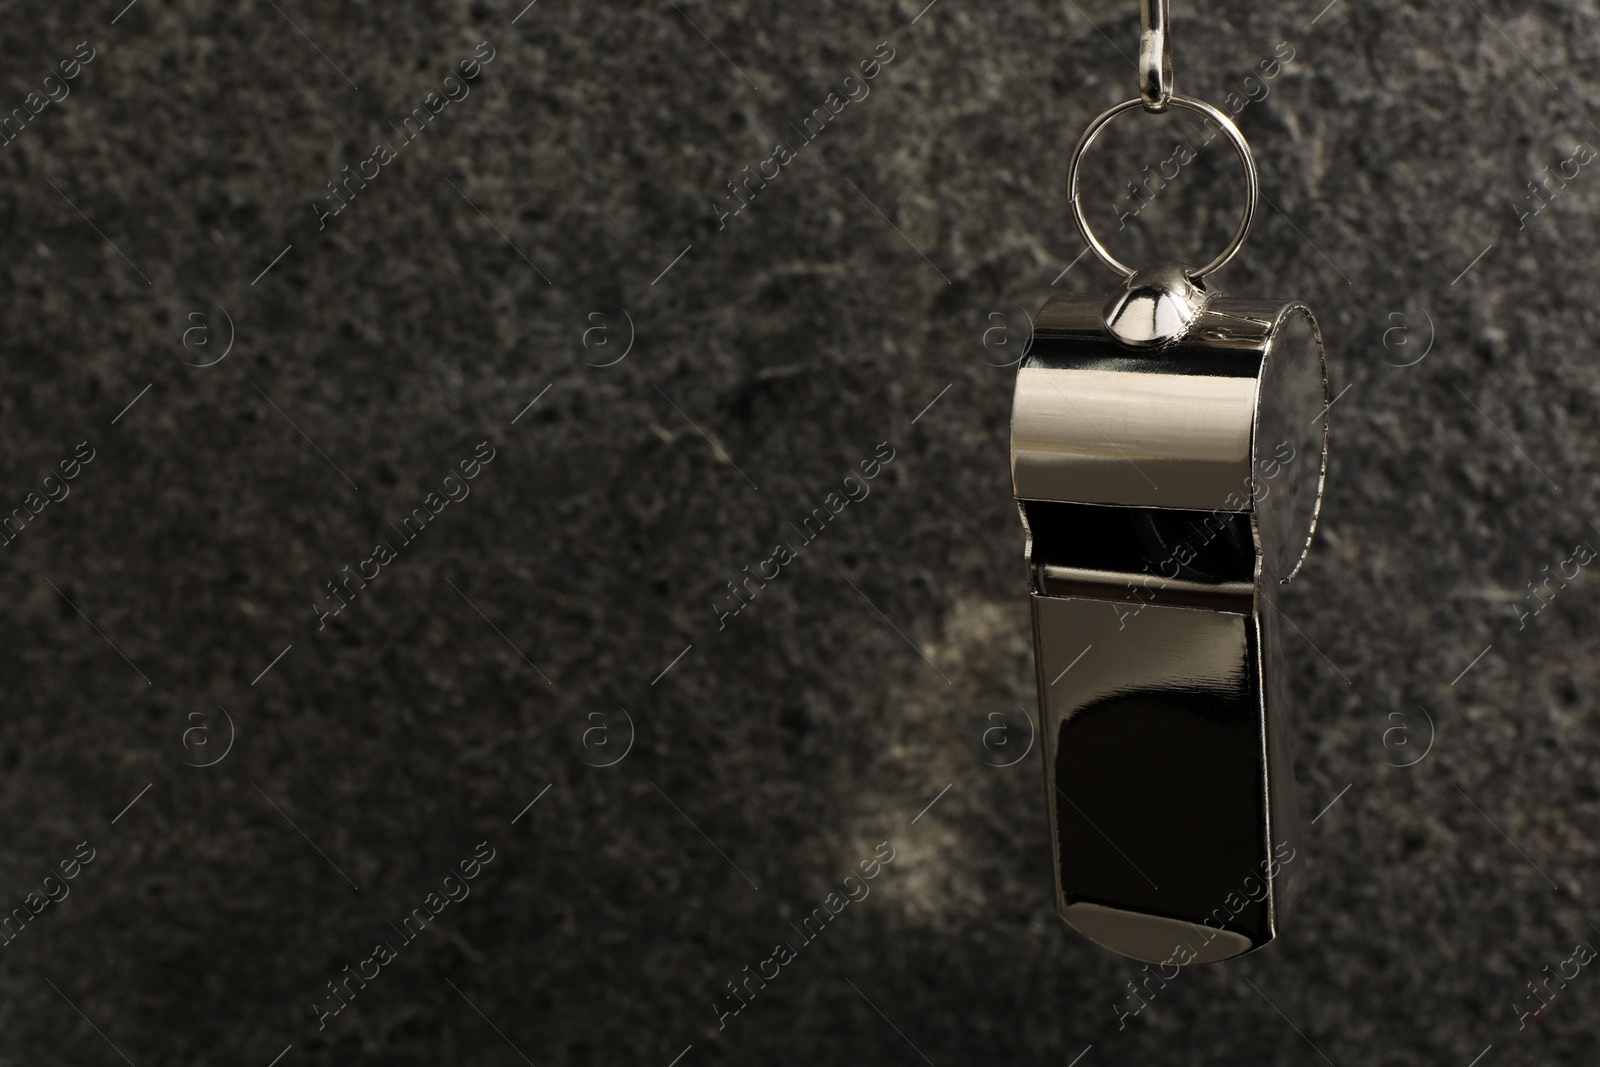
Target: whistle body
[1169,472]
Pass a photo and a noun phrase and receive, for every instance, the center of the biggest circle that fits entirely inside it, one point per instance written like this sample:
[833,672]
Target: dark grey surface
[791,343]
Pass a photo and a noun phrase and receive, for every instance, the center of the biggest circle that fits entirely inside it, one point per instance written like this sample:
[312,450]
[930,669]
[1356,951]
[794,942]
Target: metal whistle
[1168,451]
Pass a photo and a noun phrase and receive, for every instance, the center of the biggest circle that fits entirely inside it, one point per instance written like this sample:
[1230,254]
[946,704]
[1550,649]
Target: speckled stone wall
[452,304]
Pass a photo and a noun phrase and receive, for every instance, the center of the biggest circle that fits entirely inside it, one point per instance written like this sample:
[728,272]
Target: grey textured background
[777,353]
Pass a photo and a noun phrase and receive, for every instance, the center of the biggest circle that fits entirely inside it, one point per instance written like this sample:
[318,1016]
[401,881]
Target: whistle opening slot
[1175,556]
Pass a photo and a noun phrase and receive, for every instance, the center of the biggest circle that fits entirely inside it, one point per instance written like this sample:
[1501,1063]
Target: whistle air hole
[1209,547]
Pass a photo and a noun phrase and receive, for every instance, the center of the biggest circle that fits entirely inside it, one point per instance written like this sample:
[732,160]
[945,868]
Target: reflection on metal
[1163,484]
[1150,937]
[1155,54]
[1158,305]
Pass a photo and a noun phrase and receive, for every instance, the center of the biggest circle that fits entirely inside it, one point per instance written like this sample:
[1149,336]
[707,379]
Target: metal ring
[1200,107]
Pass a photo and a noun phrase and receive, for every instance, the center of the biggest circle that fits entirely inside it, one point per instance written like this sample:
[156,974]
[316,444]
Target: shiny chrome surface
[1155,55]
[1094,422]
[1156,306]
[1162,489]
[1156,763]
[1062,581]
[1082,433]
[1292,418]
